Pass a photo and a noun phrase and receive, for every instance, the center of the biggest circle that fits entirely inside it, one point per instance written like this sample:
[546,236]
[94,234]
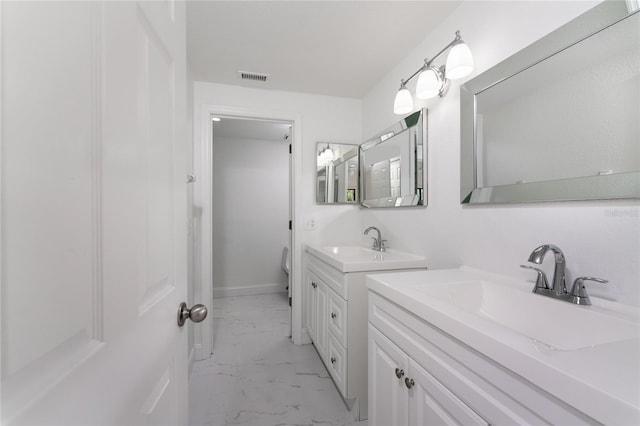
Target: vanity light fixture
[215,119]
[434,81]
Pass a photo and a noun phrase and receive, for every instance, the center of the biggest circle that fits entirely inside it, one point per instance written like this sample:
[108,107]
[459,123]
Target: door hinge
[289,301]
[289,148]
[290,224]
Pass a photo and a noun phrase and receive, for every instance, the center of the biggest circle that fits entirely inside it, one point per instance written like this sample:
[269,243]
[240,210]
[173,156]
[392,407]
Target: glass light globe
[429,84]
[403,104]
[459,62]
[329,154]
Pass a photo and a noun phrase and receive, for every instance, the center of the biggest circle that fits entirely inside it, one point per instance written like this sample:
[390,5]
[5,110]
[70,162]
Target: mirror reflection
[392,172]
[564,128]
[337,173]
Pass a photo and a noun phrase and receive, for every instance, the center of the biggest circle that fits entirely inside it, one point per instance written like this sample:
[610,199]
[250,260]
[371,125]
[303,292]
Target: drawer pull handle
[333,360]
[399,373]
[409,382]
[333,315]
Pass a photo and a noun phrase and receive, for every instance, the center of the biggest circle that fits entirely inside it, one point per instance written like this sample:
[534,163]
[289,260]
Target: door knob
[196,314]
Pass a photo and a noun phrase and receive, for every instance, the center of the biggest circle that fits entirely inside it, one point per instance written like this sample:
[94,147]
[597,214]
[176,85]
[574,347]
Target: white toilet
[285,260]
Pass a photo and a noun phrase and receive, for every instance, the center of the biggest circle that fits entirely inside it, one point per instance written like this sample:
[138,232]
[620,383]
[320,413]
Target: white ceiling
[338,48]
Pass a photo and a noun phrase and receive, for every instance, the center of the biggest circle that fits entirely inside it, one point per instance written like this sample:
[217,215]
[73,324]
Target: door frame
[203,201]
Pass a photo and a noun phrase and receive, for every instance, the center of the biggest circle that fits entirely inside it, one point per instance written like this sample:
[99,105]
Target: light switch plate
[309,223]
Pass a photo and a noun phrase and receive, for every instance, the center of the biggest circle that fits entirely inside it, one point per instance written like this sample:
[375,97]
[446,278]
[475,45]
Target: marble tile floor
[256,376]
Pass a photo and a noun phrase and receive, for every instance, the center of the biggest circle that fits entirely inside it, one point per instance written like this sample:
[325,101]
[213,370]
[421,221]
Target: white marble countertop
[602,380]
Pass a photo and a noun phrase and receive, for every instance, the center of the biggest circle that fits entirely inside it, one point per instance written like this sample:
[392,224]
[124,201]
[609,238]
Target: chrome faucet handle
[541,281]
[579,292]
[383,245]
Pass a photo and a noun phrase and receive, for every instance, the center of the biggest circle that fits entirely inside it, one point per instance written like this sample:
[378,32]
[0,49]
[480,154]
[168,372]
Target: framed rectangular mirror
[392,165]
[336,173]
[559,119]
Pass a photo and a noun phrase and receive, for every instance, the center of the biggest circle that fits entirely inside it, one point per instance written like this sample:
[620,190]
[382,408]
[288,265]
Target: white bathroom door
[93,216]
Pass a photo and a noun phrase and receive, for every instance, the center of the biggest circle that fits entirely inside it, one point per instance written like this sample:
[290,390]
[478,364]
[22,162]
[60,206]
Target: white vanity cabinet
[336,320]
[449,382]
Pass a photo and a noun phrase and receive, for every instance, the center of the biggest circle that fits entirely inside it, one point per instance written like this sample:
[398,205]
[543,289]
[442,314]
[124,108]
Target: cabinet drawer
[337,363]
[337,316]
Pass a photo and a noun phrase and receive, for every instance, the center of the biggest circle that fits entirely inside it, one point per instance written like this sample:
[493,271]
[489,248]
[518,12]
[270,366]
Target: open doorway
[230,251]
[251,211]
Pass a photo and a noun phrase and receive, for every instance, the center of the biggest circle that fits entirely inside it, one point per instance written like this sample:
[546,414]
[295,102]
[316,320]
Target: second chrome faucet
[378,243]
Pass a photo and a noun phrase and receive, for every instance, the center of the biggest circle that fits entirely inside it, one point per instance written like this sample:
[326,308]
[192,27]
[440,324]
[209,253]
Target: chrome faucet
[578,294]
[378,243]
[559,276]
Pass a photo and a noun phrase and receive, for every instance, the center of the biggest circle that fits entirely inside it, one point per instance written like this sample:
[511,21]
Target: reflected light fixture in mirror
[434,81]
[325,156]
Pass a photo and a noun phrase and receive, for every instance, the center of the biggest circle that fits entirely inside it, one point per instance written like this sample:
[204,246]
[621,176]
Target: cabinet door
[312,302]
[321,319]
[431,403]
[388,396]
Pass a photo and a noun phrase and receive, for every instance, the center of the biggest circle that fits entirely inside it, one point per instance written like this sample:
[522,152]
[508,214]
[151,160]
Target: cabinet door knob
[333,315]
[409,383]
[314,285]
[399,373]
[333,360]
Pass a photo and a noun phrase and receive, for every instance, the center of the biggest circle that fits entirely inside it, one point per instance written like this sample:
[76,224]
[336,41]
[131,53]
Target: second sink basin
[358,259]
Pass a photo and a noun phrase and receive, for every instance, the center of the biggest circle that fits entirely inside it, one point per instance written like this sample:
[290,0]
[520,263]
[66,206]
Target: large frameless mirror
[559,119]
[336,173]
[392,164]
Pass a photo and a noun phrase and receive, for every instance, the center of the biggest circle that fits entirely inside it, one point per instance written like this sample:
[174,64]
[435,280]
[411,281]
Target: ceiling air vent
[253,76]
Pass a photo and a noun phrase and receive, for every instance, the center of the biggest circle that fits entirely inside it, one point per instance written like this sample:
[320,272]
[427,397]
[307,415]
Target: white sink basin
[554,323]
[499,302]
[360,259]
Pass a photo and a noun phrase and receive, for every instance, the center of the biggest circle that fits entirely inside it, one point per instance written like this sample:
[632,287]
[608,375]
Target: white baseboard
[248,290]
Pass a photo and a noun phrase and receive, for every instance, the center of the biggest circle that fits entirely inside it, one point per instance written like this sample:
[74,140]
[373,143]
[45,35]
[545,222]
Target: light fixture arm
[428,62]
[456,40]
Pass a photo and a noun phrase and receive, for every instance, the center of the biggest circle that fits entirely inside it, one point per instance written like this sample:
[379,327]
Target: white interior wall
[600,239]
[250,213]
